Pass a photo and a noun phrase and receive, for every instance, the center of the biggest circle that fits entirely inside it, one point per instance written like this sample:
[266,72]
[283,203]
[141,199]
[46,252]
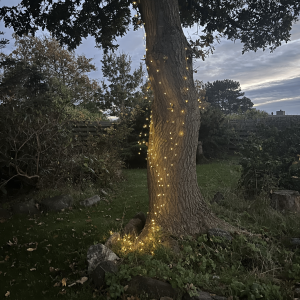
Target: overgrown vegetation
[262,266]
[270,159]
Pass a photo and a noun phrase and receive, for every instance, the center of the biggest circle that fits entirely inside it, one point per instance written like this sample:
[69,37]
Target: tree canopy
[227,96]
[38,68]
[257,24]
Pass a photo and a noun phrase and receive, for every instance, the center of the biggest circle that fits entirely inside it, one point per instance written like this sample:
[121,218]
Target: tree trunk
[175,202]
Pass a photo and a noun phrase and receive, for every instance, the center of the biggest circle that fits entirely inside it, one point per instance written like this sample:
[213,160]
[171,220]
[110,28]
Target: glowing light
[186,101]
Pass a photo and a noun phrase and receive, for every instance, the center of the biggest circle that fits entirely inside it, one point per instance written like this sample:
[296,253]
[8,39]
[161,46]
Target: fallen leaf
[33,269]
[6,257]
[118,219]
[82,280]
[7,294]
[64,281]
[10,243]
[56,284]
[31,249]
[2,220]
[51,269]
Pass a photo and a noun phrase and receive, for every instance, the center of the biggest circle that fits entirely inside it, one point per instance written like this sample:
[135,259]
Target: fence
[83,129]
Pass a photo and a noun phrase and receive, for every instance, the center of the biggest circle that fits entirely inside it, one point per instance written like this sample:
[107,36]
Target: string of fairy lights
[162,173]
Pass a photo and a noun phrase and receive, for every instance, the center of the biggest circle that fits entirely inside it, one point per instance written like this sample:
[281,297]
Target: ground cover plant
[43,256]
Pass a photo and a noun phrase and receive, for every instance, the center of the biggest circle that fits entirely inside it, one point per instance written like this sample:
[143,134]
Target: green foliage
[270,159]
[39,150]
[214,135]
[135,146]
[120,96]
[84,113]
[38,69]
[261,266]
[205,262]
[227,96]
[249,114]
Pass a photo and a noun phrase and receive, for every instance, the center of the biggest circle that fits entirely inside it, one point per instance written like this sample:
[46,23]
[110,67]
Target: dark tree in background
[227,96]
[175,201]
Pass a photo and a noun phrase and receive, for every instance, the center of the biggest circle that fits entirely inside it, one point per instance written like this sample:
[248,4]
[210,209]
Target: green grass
[60,242]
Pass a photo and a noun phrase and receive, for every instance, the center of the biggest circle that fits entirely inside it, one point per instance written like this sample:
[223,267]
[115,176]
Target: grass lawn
[38,253]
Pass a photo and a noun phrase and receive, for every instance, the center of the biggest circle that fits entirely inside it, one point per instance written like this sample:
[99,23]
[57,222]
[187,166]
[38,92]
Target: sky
[270,80]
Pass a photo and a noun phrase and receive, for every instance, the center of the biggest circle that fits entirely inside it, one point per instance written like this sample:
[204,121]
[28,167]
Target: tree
[121,95]
[226,95]
[39,68]
[175,201]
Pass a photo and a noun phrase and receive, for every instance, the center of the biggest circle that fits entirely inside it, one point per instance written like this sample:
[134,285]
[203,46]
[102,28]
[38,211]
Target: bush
[38,150]
[270,159]
[214,135]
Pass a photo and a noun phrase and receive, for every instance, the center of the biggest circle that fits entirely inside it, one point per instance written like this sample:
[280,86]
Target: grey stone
[166,298]
[141,216]
[216,232]
[57,203]
[285,200]
[112,239]
[152,287]
[99,253]
[90,201]
[4,213]
[28,208]
[98,274]
[135,225]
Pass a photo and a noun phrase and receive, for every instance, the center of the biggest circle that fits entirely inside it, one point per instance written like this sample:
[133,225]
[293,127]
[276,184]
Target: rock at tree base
[155,289]
[90,201]
[112,239]
[98,274]
[57,203]
[135,225]
[97,254]
[286,200]
[28,208]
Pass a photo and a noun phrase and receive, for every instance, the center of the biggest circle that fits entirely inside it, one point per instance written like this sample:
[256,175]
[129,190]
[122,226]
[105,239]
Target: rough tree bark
[175,200]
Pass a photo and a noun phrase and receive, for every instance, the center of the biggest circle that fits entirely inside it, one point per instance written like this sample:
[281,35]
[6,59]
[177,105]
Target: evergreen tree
[227,96]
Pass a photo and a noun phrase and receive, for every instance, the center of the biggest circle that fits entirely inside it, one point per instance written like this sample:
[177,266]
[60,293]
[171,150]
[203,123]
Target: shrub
[38,149]
[270,159]
[214,135]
